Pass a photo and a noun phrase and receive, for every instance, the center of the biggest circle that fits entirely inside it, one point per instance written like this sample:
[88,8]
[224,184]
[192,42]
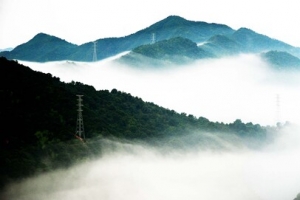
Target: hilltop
[42,48]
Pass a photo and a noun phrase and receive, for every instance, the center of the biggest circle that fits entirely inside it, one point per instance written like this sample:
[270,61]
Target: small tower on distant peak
[95,51]
[153,39]
[278,113]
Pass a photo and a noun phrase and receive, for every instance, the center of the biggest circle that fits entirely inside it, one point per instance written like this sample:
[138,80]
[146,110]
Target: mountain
[281,60]
[42,48]
[216,39]
[172,26]
[253,42]
[39,118]
[175,26]
[176,50]
[179,50]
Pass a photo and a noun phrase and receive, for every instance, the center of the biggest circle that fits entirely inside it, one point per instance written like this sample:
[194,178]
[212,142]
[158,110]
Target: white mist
[242,87]
[223,90]
[146,173]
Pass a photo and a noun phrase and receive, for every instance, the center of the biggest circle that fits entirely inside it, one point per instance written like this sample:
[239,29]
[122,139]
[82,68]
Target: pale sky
[80,21]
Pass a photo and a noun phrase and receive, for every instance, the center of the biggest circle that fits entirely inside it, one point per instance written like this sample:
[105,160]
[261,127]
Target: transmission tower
[153,40]
[79,124]
[95,51]
[278,114]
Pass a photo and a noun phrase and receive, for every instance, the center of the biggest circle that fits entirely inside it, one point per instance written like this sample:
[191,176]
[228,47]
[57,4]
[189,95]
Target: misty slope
[298,197]
[176,50]
[39,102]
[254,42]
[221,45]
[282,60]
[39,116]
[241,41]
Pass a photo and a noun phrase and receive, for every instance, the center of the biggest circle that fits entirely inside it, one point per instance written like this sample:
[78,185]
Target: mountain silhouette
[214,40]
[54,49]
[42,48]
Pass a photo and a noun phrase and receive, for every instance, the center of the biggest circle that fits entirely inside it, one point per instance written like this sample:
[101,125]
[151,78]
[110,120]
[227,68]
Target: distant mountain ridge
[254,42]
[172,26]
[218,40]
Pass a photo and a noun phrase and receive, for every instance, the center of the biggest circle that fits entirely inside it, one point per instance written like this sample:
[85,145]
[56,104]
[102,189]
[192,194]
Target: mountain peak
[244,30]
[175,17]
[43,47]
[41,34]
[172,20]
[44,36]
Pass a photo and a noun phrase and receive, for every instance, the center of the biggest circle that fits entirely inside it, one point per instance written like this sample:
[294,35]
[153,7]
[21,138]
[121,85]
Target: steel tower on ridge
[95,52]
[79,124]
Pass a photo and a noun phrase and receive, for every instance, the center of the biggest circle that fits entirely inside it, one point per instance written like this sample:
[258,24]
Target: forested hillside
[38,119]
[176,50]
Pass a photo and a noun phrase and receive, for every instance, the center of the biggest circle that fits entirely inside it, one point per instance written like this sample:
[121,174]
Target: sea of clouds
[242,87]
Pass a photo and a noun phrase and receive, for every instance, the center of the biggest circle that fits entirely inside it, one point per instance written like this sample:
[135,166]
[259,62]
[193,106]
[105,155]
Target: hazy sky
[80,21]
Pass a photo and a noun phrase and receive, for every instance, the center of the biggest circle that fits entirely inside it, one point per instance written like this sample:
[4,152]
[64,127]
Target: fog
[223,90]
[135,171]
[242,87]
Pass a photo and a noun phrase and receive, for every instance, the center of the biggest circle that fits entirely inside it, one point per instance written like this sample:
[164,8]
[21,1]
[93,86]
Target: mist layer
[223,90]
[134,171]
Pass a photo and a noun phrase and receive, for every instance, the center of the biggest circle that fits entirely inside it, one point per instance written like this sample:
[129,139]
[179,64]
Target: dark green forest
[38,120]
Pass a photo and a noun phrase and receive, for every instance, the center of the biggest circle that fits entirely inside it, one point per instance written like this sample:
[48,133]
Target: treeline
[38,118]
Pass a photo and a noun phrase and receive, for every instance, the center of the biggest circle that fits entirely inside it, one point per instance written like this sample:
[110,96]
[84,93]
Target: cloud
[242,87]
[135,171]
